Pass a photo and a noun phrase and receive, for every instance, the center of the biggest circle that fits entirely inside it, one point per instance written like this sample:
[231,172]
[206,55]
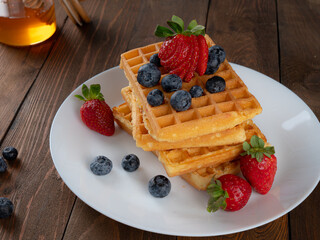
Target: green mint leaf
[246,146]
[192,24]
[254,141]
[175,26]
[85,91]
[80,97]
[178,20]
[163,32]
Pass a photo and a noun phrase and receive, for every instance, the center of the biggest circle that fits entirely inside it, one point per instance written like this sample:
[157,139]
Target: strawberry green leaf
[94,91]
[85,91]
[192,24]
[246,146]
[254,141]
[178,20]
[175,26]
[80,97]
[261,143]
[267,154]
[259,156]
[197,28]
[163,32]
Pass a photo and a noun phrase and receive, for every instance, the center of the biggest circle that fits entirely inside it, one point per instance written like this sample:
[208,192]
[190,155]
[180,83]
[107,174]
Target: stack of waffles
[198,144]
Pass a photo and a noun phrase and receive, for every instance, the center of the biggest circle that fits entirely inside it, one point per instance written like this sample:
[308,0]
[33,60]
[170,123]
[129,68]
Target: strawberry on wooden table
[95,112]
[258,164]
[185,51]
[229,192]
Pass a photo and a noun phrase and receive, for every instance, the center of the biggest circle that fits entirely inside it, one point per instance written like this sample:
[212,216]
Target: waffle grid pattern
[223,110]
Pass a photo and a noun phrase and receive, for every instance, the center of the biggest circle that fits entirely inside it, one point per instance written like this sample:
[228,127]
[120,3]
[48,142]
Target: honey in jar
[26,22]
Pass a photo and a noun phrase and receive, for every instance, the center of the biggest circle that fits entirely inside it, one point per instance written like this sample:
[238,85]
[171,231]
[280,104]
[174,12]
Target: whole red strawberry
[185,51]
[95,112]
[258,164]
[229,192]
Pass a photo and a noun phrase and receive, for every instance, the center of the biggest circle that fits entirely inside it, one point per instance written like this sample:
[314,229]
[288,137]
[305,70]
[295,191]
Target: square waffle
[148,143]
[199,179]
[181,161]
[207,114]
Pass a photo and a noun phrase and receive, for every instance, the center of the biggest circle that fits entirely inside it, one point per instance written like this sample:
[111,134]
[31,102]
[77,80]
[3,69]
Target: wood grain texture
[19,68]
[299,35]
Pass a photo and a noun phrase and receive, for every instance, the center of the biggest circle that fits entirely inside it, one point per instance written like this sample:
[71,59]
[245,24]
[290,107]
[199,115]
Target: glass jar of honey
[26,22]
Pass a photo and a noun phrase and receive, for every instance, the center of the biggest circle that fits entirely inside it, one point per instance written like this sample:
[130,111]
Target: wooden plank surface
[18,70]
[45,75]
[299,39]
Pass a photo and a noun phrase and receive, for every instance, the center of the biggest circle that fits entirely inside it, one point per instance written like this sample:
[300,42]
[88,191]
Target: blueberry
[159,186]
[181,100]
[130,162]
[155,60]
[218,52]
[155,97]
[171,83]
[101,165]
[149,75]
[10,153]
[215,84]
[216,56]
[196,91]
[3,165]
[6,207]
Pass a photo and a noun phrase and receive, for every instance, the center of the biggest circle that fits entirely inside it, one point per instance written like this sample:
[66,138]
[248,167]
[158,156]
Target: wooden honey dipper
[75,11]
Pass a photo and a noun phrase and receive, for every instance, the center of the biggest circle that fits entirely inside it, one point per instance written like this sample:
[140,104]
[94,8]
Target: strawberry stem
[257,148]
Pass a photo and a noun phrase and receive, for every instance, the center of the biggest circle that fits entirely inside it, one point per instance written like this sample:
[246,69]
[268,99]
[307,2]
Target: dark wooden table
[278,38]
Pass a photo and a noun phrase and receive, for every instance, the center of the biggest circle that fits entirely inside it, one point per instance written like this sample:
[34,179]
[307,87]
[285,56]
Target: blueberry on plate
[6,207]
[215,84]
[171,83]
[101,165]
[155,97]
[130,162]
[216,56]
[10,153]
[149,75]
[196,91]
[155,60]
[181,100]
[3,165]
[159,186]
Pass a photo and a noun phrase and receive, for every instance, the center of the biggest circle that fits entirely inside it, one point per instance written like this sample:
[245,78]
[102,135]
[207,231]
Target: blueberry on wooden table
[101,165]
[6,207]
[130,162]
[159,186]
[3,165]
[10,153]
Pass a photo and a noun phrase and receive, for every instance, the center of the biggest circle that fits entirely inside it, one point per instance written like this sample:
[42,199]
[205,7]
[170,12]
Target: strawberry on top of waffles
[184,52]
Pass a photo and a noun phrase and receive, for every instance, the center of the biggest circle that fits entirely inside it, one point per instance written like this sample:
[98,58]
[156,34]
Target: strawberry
[229,192]
[95,112]
[184,51]
[258,164]
[203,59]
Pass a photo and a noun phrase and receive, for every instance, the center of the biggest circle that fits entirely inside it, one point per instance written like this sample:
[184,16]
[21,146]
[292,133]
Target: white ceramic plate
[287,122]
